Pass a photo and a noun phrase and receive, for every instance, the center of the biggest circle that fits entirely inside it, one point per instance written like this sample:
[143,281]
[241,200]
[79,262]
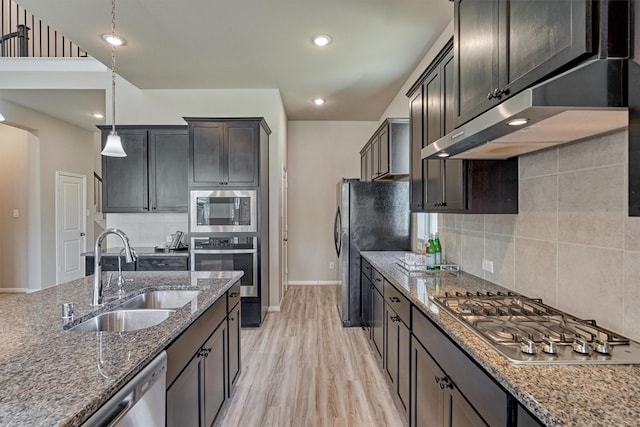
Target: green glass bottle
[438,249]
[429,247]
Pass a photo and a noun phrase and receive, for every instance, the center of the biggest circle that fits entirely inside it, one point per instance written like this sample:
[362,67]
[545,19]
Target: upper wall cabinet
[453,185]
[153,176]
[386,155]
[505,46]
[224,152]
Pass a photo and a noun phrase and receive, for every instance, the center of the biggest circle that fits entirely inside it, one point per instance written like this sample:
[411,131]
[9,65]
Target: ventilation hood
[583,102]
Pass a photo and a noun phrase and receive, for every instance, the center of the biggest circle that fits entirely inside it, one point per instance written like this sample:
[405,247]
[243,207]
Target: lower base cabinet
[203,365]
[436,401]
[397,336]
[377,320]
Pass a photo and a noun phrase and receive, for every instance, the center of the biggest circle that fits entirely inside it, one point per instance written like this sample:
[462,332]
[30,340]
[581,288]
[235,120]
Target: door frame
[83,216]
[284,226]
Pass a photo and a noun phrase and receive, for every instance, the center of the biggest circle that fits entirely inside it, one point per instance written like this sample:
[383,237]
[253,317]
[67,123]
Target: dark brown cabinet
[233,328]
[505,46]
[153,175]
[203,364]
[386,154]
[396,349]
[436,399]
[377,323]
[224,152]
[452,185]
[143,263]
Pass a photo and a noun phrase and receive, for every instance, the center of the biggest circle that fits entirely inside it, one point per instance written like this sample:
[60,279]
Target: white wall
[14,194]
[320,154]
[53,146]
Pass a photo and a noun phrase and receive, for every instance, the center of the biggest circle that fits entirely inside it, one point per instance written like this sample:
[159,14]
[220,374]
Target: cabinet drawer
[484,395]
[162,263]
[183,348]
[377,280]
[109,263]
[366,268]
[233,296]
[398,302]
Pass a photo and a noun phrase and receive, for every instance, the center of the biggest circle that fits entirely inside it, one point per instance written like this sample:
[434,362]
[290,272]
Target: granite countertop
[142,251]
[53,377]
[559,395]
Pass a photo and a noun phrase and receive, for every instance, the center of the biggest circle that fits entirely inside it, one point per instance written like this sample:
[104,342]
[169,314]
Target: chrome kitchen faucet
[130,256]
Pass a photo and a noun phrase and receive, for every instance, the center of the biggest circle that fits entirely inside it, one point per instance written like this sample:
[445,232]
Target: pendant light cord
[113,68]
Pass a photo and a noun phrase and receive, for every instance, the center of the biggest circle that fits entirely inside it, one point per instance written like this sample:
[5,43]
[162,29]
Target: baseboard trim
[17,290]
[314,282]
[273,309]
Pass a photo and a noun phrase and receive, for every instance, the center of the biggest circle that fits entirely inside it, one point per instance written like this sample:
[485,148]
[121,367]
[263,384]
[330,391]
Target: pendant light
[113,147]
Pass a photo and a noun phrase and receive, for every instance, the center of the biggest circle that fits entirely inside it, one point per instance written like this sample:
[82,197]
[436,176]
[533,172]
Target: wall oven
[228,253]
[223,211]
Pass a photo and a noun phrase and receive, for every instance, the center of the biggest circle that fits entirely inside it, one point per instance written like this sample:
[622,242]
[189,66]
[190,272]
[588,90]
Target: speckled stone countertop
[559,395]
[50,376]
[141,251]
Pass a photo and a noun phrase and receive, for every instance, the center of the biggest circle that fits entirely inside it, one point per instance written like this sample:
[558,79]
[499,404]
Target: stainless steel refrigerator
[370,216]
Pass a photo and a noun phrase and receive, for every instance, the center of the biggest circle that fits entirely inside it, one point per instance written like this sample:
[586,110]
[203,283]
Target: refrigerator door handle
[337,231]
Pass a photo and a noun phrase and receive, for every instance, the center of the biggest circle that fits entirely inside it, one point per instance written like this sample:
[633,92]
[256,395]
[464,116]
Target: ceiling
[214,44]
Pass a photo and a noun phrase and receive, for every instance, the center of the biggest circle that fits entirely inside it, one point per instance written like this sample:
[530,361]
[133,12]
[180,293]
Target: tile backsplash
[572,242]
[146,229]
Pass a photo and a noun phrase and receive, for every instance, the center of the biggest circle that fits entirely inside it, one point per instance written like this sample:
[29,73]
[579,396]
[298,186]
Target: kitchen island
[51,376]
[558,395]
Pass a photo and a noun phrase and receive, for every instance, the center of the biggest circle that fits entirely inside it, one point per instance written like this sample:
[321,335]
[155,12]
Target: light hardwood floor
[302,368]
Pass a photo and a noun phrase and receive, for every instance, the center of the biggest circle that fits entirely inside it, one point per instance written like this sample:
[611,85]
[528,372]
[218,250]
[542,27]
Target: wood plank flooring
[302,368]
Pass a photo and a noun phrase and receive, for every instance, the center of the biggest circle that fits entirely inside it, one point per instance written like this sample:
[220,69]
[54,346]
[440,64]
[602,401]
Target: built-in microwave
[223,211]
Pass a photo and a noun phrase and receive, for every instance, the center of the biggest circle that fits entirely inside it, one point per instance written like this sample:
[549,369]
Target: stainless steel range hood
[583,102]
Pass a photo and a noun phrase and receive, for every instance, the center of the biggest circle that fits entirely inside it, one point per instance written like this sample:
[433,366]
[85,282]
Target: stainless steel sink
[123,321]
[160,299]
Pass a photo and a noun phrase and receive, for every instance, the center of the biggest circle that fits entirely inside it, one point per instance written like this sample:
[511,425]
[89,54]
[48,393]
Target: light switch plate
[16,213]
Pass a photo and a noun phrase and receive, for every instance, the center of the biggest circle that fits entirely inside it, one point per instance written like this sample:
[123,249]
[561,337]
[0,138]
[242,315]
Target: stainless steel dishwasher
[141,402]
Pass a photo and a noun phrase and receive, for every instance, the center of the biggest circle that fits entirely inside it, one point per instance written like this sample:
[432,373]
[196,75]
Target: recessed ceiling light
[319,101]
[98,115]
[443,154]
[115,40]
[518,122]
[321,40]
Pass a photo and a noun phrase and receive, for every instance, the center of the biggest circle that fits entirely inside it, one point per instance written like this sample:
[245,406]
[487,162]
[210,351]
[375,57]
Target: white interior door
[71,225]
[285,233]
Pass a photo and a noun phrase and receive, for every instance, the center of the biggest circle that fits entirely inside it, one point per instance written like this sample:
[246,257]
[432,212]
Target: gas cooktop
[527,331]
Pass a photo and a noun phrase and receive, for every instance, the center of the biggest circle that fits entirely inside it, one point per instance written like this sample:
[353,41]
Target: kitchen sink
[160,299]
[123,321]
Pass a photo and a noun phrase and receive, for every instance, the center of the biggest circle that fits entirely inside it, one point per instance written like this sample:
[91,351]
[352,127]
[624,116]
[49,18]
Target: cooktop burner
[527,331]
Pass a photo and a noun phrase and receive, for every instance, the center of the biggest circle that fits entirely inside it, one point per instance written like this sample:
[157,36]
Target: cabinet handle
[395,319]
[231,319]
[445,382]
[378,280]
[234,294]
[394,299]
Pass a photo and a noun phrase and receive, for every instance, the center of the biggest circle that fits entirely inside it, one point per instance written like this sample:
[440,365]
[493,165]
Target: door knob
[82,234]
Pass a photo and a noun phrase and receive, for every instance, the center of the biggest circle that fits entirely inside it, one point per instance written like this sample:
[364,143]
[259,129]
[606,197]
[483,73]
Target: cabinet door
[391,346]
[404,362]
[377,314]
[234,347]
[366,295]
[363,166]
[448,95]
[427,400]
[416,201]
[433,106]
[461,413]
[476,32]
[454,189]
[541,37]
[184,404]
[383,143]
[206,151]
[242,155]
[125,183]
[434,184]
[214,374]
[168,170]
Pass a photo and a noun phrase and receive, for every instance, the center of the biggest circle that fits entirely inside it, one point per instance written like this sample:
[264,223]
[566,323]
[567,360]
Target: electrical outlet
[332,265]
[487,265]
